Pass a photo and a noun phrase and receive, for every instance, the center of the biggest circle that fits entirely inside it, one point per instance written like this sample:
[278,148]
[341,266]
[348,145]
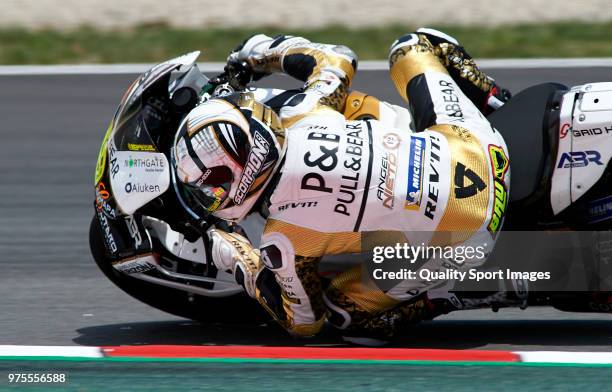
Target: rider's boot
[366,315]
[481,89]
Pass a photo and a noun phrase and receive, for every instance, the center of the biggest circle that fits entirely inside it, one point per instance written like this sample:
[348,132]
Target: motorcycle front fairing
[131,160]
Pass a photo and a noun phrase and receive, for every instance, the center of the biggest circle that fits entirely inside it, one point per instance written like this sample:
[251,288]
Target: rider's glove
[252,51]
[234,253]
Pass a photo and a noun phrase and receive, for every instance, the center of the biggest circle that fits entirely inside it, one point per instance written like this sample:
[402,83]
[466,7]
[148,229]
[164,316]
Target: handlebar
[236,75]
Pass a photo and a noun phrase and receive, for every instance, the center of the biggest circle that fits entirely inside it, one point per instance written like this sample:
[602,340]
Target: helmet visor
[210,191]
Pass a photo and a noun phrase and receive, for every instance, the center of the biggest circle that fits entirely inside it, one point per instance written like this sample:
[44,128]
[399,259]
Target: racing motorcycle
[557,137]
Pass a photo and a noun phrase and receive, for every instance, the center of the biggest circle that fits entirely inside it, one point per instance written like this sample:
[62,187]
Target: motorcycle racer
[437,173]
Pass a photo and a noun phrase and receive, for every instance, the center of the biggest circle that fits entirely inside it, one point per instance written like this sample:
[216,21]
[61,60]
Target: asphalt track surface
[52,293]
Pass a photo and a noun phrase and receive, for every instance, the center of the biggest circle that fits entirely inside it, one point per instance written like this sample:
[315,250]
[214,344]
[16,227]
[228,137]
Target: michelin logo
[415,173]
[600,210]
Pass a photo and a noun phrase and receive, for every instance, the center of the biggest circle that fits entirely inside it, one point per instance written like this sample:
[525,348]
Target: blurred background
[93,31]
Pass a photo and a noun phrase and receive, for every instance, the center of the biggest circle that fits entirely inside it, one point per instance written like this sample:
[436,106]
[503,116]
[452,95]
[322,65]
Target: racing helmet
[225,153]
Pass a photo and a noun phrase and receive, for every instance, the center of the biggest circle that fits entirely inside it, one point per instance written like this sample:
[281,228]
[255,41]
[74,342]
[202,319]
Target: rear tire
[235,309]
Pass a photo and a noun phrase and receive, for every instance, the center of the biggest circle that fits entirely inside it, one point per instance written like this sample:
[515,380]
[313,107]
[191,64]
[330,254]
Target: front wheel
[234,309]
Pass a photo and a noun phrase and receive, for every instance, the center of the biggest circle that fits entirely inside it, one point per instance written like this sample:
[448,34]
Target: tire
[234,309]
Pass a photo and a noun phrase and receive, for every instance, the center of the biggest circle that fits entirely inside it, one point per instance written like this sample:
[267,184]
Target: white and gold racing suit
[434,174]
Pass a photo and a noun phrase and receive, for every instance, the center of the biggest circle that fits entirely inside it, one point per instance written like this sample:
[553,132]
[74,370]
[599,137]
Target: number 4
[461,189]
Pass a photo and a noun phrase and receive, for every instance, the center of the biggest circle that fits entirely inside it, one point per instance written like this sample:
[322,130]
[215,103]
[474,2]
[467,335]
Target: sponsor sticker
[415,173]
[203,177]
[133,230]
[386,180]
[300,204]
[109,239]
[600,210]
[219,195]
[499,207]
[499,166]
[499,161]
[139,187]
[592,131]
[140,147]
[391,141]
[136,265]
[112,157]
[153,163]
[323,155]
[564,130]
[579,159]
[101,164]
[103,199]
[255,162]
[140,177]
[433,183]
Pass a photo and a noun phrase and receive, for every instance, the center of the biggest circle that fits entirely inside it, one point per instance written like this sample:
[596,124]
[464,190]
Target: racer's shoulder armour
[360,106]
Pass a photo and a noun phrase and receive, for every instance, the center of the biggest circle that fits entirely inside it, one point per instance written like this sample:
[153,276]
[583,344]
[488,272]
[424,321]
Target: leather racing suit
[436,173]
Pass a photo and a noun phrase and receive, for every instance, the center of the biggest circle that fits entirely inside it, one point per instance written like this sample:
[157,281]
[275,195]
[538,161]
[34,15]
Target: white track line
[513,63]
[51,351]
[565,357]
[106,69]
[546,357]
